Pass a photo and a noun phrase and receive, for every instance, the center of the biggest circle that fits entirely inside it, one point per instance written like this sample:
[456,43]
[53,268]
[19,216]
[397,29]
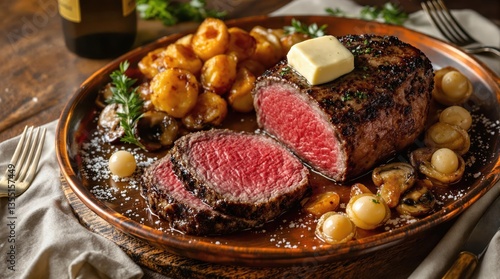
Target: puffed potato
[218,73]
[289,40]
[185,40]
[241,44]
[151,63]
[174,91]
[269,34]
[182,57]
[210,110]
[279,32]
[268,50]
[240,96]
[254,66]
[210,39]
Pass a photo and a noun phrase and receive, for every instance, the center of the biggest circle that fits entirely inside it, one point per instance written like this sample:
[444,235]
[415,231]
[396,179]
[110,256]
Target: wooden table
[38,75]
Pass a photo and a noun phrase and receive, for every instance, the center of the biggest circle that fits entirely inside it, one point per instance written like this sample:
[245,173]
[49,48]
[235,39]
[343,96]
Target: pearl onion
[334,227]
[444,160]
[122,163]
[454,84]
[456,115]
[367,211]
[337,227]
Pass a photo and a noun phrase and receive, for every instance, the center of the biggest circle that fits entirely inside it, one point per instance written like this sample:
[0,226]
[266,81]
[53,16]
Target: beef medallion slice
[245,175]
[344,127]
[168,198]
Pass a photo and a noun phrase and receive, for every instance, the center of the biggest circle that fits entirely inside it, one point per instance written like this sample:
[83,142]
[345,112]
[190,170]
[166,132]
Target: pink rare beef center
[175,188]
[300,128]
[243,167]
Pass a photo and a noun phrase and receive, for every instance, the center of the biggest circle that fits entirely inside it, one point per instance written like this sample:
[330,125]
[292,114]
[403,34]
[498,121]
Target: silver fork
[446,23]
[22,167]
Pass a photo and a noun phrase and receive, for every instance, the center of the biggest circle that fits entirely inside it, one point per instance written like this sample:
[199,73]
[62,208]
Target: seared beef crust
[375,111]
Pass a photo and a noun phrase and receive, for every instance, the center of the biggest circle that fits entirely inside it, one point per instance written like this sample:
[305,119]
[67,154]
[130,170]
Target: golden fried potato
[268,50]
[254,66]
[241,44]
[174,91]
[218,73]
[185,40]
[240,96]
[211,38]
[289,40]
[151,63]
[182,57]
[210,110]
[278,32]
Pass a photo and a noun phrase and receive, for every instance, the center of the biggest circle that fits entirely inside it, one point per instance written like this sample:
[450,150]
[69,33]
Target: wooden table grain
[38,75]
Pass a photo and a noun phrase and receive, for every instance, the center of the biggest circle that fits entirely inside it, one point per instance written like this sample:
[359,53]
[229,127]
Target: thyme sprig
[125,94]
[312,30]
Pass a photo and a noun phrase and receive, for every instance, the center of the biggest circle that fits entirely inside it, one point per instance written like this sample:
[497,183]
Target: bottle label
[70,10]
[128,6]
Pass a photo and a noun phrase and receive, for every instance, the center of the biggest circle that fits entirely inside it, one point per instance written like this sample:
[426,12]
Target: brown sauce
[295,228]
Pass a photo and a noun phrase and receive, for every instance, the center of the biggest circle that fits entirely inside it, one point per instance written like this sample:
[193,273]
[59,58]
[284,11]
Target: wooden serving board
[395,262]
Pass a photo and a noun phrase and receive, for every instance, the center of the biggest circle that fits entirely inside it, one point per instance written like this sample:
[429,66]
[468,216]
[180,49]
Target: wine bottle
[98,28]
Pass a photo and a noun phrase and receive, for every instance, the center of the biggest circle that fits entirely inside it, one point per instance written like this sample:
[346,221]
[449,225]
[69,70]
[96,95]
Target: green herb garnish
[171,13]
[347,96]
[335,12]
[312,30]
[284,71]
[389,13]
[375,201]
[131,104]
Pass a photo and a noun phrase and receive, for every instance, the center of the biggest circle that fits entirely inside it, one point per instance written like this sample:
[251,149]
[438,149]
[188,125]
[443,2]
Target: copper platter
[248,249]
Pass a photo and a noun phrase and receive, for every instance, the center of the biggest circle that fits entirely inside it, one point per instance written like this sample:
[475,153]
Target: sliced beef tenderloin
[246,175]
[344,127]
[168,198]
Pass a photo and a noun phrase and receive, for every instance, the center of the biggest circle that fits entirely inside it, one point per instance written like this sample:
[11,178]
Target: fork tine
[456,26]
[431,10]
[21,154]
[19,147]
[36,159]
[27,161]
[446,23]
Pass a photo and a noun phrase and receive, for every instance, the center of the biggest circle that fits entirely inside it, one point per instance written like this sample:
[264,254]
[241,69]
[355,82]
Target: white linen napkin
[435,265]
[40,236]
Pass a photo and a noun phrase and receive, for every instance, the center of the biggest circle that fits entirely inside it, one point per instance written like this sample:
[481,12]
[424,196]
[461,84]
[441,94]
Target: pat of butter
[321,59]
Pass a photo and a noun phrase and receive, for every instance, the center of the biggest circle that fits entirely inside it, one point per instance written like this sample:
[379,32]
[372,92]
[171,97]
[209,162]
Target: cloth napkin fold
[40,236]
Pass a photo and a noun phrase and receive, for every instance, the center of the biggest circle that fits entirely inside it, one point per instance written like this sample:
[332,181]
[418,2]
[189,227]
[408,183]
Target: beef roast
[168,198]
[344,127]
[249,176]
